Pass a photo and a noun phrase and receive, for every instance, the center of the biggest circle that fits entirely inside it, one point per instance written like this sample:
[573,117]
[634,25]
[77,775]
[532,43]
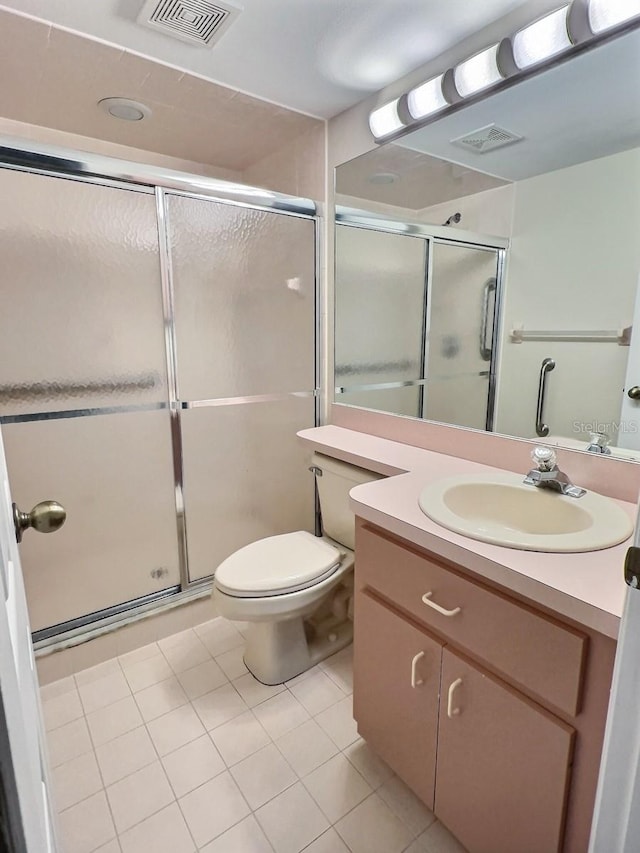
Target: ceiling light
[383,178]
[385,120]
[478,73]
[124,108]
[605,14]
[541,40]
[427,98]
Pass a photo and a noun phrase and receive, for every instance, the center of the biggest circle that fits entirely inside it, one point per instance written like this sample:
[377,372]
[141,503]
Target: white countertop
[588,588]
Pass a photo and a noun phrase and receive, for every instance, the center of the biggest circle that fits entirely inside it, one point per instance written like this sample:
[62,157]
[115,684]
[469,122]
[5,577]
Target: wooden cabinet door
[503,765]
[396,687]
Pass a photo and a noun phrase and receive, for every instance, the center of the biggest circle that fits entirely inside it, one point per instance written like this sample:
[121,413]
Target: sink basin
[502,510]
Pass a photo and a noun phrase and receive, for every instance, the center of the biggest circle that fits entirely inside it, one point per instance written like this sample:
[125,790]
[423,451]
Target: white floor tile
[317,692]
[185,654]
[239,738]
[244,837]
[97,673]
[373,828]
[329,842]
[253,692]
[192,765]
[139,795]
[219,706]
[57,688]
[303,676]
[143,653]
[68,742]
[62,709]
[337,787]
[405,805]
[125,754]
[338,722]
[103,691]
[306,747]
[292,820]
[202,679]
[147,671]
[219,636]
[164,832]
[86,826]
[263,775]
[76,780]
[174,729]
[114,720]
[232,663]
[438,839]
[281,714]
[370,765]
[339,668]
[110,847]
[213,808]
[160,698]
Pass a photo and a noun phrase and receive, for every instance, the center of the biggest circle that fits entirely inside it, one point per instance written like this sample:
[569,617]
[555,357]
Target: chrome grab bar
[547,366]
[489,288]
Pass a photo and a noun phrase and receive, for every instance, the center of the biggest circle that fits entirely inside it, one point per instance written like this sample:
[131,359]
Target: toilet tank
[337,480]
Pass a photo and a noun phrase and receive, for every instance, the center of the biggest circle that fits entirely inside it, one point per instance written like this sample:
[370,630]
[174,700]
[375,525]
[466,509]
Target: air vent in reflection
[199,22]
[486,139]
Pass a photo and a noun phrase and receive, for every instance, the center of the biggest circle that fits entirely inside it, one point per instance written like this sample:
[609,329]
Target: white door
[616,823]
[28,822]
[629,432]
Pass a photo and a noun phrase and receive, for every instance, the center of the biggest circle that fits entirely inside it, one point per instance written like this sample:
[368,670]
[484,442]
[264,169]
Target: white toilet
[295,589]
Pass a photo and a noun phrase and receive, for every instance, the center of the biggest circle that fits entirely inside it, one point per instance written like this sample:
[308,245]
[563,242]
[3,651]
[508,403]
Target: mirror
[487,264]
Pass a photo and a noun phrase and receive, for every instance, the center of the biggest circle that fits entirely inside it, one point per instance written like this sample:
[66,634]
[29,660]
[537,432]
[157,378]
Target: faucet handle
[544,458]
[600,439]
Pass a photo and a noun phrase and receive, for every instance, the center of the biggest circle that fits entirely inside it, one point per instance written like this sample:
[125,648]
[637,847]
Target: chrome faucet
[547,475]
[599,443]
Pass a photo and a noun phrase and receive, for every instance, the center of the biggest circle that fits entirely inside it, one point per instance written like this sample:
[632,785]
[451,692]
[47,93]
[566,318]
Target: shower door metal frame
[432,235]
[53,161]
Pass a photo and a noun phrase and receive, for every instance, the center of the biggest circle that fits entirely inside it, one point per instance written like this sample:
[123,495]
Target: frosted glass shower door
[380,303]
[83,391]
[244,290]
[462,304]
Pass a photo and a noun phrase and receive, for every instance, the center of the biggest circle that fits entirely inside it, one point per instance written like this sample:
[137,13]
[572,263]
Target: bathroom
[201,367]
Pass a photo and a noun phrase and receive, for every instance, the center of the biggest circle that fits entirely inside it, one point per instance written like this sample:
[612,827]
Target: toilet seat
[277,565]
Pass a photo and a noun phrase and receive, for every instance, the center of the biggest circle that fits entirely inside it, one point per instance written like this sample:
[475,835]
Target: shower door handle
[489,288]
[45,517]
[547,366]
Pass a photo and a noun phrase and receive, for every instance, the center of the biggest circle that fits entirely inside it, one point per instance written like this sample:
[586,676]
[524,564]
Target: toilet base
[276,652]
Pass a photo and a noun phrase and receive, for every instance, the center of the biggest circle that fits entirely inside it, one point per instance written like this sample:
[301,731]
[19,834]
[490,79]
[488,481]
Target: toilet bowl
[294,589]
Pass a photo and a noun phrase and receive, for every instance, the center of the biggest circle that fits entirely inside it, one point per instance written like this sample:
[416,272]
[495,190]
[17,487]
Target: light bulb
[542,39]
[478,73]
[385,120]
[427,98]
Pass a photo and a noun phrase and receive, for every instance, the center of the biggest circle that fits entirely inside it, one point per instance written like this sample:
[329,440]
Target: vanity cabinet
[492,711]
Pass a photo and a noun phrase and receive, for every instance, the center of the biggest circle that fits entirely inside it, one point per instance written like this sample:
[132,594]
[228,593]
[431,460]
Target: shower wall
[96,410]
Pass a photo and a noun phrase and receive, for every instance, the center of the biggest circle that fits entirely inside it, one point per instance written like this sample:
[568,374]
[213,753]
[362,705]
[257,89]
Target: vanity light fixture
[385,120]
[606,14]
[574,26]
[477,73]
[427,98]
[541,40]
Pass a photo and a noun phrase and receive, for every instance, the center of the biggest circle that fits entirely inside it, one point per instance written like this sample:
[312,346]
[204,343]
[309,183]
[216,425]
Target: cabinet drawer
[531,650]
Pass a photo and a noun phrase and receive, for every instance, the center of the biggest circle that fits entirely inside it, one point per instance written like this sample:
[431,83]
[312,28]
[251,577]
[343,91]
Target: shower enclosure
[416,318]
[158,345]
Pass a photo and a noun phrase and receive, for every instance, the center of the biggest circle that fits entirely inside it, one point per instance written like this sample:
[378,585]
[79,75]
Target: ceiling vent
[486,139]
[198,22]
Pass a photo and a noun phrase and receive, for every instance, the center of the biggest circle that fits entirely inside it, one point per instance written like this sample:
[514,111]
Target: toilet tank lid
[277,563]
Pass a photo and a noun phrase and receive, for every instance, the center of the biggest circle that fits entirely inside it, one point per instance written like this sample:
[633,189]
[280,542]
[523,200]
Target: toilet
[295,589]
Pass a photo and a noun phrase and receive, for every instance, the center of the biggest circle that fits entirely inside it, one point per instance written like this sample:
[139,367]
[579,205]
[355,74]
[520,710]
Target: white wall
[573,264]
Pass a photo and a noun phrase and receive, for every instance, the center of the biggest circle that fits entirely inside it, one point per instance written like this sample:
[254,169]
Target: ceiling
[314,56]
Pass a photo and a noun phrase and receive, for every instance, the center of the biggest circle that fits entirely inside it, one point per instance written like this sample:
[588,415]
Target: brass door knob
[45,517]
[634,392]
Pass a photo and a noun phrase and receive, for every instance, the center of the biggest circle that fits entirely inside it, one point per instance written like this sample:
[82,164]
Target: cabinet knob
[634,392]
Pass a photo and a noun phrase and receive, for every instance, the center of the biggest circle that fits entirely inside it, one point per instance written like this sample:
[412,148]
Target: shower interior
[158,357]
[416,321]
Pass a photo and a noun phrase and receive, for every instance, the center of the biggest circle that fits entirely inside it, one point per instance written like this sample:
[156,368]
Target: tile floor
[176,748]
